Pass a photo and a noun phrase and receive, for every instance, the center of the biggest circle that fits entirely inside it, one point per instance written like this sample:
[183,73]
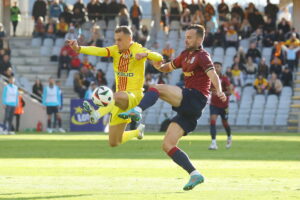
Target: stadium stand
[254,110]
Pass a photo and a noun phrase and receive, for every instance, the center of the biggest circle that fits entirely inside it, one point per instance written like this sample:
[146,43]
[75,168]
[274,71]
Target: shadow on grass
[147,149]
[46,197]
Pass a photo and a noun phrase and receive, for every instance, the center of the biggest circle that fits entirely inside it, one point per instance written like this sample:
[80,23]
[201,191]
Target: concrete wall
[33,112]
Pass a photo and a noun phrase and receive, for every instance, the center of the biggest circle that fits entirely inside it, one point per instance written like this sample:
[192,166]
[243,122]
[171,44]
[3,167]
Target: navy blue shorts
[190,110]
[52,110]
[223,112]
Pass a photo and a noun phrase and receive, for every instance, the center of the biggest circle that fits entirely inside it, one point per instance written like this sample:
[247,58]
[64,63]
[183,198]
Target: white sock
[195,172]
[214,141]
[229,138]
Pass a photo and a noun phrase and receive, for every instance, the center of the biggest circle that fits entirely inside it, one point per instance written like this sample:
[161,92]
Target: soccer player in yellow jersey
[129,66]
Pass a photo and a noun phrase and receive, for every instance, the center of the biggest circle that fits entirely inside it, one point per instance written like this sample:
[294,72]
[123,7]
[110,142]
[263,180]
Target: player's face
[218,68]
[123,41]
[192,41]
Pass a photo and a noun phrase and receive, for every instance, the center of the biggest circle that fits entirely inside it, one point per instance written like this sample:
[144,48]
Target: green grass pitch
[83,167]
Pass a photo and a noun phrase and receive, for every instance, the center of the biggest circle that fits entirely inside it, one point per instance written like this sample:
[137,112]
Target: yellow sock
[128,135]
[104,110]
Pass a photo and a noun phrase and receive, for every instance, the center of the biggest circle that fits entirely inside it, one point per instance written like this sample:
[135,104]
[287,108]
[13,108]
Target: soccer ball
[102,96]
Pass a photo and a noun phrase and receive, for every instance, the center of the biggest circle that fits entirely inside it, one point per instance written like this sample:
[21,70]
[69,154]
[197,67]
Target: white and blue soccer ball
[102,96]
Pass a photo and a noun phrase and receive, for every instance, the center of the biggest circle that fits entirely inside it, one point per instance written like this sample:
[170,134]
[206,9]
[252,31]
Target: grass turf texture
[72,167]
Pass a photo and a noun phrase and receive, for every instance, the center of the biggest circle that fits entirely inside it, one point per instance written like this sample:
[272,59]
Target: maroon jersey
[215,100]
[194,65]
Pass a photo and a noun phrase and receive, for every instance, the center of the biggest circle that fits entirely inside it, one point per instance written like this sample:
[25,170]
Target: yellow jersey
[129,72]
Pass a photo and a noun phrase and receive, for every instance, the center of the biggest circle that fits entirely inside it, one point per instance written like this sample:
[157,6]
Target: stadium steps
[294,115]
[28,63]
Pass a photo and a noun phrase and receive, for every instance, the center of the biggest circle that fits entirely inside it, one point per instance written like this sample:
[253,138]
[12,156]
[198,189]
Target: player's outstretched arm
[150,55]
[217,83]
[89,50]
[167,67]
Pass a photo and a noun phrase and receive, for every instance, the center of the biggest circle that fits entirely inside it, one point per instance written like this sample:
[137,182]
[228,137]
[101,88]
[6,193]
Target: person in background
[260,84]
[89,92]
[287,77]
[52,101]
[15,16]
[57,117]
[63,63]
[136,14]
[39,9]
[275,85]
[10,101]
[19,109]
[123,17]
[37,88]
[39,28]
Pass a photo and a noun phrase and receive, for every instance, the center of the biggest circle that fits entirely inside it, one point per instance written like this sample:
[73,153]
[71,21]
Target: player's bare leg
[213,132]
[169,93]
[174,133]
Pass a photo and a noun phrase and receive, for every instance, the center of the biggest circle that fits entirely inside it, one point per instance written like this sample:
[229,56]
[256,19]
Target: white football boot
[141,129]
[94,114]
[213,146]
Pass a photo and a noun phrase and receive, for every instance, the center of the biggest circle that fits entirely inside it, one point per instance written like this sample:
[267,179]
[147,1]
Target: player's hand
[222,96]
[140,56]
[157,64]
[74,45]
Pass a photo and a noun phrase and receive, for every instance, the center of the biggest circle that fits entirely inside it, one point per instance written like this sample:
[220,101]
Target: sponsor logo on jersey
[188,73]
[124,74]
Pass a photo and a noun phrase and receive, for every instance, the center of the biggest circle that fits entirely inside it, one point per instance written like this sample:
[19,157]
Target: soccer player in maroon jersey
[219,107]
[188,102]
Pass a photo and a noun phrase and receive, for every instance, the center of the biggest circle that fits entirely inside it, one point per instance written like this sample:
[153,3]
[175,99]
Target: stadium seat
[286,91]
[219,51]
[230,51]
[87,34]
[161,35]
[70,78]
[59,42]
[218,58]
[242,120]
[48,42]
[209,50]
[259,101]
[102,24]
[175,25]
[109,34]
[87,25]
[255,120]
[92,60]
[36,42]
[111,25]
[281,120]
[173,36]
[45,51]
[102,66]
[267,51]
[272,102]
[244,44]
[268,120]
[56,51]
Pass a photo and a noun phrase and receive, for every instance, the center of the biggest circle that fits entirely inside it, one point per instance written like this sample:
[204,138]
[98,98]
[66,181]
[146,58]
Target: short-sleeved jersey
[129,72]
[195,65]
[215,100]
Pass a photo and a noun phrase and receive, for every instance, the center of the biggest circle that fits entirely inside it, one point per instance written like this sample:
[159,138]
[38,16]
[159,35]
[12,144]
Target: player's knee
[166,147]
[212,122]
[225,123]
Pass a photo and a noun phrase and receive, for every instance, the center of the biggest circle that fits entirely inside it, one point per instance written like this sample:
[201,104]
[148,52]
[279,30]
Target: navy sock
[149,99]
[49,123]
[181,159]
[59,123]
[227,127]
[213,129]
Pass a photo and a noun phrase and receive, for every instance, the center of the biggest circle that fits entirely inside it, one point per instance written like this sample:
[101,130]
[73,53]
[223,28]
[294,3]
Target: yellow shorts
[134,99]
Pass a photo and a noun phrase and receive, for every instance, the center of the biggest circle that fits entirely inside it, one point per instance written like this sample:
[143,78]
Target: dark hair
[200,30]
[218,63]
[124,29]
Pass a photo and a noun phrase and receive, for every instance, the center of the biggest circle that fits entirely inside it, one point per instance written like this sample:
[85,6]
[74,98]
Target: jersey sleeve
[154,56]
[176,63]
[205,62]
[98,51]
